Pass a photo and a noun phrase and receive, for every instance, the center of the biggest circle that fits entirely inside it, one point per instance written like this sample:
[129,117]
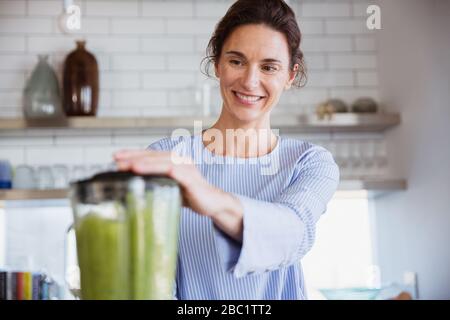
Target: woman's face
[253,69]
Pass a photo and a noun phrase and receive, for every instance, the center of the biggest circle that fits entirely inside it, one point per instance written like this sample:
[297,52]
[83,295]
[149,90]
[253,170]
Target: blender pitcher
[126,230]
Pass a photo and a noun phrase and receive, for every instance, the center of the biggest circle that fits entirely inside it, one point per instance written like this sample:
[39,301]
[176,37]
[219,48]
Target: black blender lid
[114,176]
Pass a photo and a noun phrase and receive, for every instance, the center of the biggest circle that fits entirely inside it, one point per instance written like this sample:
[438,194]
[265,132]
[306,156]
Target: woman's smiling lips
[247,99]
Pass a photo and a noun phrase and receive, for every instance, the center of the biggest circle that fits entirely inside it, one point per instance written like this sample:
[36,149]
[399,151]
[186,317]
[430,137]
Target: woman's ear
[216,70]
[292,75]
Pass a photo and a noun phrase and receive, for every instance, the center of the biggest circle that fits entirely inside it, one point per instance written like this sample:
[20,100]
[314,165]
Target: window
[343,253]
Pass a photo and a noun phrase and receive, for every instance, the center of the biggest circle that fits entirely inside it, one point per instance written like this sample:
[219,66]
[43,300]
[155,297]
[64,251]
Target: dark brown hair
[275,14]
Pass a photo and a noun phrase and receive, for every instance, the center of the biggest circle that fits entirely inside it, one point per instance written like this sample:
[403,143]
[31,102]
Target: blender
[126,231]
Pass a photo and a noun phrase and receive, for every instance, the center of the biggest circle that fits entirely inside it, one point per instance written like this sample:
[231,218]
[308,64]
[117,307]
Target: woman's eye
[269,68]
[235,62]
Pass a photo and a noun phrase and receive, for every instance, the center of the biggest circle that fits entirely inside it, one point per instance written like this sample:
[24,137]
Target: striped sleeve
[280,233]
[156,146]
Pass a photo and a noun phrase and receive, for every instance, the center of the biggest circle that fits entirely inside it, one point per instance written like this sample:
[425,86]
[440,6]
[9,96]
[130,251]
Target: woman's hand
[197,193]
[223,208]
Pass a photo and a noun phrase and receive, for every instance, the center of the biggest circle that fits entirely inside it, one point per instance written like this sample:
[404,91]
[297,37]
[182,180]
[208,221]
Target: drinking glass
[61,176]
[342,158]
[24,177]
[45,179]
[368,157]
[380,157]
[355,159]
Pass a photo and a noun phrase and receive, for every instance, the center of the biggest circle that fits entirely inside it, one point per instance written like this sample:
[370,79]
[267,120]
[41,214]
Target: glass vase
[42,97]
[81,82]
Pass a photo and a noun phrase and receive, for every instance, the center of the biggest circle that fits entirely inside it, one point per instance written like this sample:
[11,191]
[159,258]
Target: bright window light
[342,254]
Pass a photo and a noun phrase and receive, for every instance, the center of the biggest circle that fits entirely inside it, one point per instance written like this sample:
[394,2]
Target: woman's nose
[251,78]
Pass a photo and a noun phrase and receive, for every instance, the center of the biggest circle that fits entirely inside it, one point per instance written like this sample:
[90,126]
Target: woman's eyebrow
[240,54]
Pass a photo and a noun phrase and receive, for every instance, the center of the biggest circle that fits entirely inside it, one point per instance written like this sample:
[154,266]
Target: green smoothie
[102,246]
[153,245]
[141,240]
[133,255]
[164,219]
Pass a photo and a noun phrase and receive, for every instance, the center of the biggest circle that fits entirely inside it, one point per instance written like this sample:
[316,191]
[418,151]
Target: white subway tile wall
[149,54]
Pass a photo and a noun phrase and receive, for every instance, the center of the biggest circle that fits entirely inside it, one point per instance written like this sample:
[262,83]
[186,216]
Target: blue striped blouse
[283,194]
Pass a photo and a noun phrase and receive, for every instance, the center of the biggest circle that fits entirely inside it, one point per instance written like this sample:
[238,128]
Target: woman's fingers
[142,167]
[153,165]
[123,165]
[195,189]
[169,164]
[130,154]
[133,155]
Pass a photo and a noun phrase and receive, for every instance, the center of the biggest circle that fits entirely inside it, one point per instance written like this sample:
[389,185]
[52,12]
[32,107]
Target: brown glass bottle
[80,82]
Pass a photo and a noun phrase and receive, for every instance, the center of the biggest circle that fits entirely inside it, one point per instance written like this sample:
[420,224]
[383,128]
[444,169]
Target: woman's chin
[248,115]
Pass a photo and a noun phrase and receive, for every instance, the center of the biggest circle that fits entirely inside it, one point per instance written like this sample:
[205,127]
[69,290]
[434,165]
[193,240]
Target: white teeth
[248,98]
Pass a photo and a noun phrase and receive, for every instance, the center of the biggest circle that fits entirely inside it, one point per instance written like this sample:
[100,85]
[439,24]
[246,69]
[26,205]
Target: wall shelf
[369,185]
[341,122]
[373,184]
[6,195]
[369,188]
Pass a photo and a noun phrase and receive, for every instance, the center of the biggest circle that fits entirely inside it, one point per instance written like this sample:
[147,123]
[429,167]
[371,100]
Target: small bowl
[357,293]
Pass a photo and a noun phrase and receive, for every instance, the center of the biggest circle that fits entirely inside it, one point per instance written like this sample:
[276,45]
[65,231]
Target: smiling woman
[251,78]
[256,60]
[244,230]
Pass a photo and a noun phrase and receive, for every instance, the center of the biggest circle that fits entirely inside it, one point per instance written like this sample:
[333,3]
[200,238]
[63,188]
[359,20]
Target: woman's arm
[223,208]
[279,233]
[230,217]
[252,236]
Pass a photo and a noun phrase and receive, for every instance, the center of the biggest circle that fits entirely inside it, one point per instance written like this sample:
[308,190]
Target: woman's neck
[234,138]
